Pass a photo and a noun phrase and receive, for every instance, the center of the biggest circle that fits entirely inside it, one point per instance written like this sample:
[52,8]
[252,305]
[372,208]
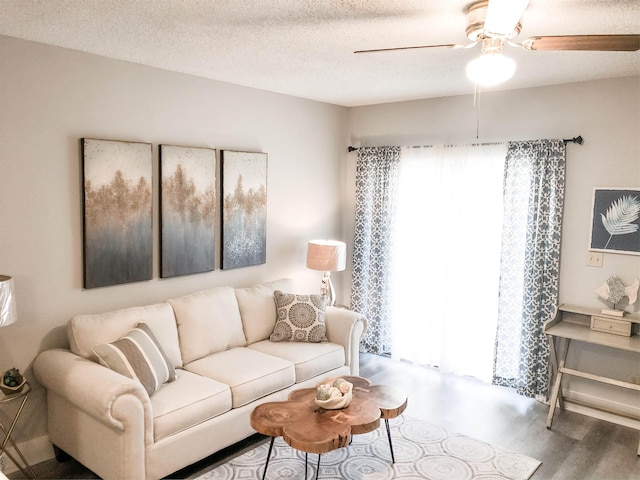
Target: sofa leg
[61,455]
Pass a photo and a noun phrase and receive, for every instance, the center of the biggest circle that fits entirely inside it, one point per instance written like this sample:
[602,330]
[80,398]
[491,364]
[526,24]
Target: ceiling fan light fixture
[490,69]
[503,16]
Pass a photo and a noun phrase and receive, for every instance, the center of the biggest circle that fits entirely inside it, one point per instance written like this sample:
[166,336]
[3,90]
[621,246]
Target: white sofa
[218,342]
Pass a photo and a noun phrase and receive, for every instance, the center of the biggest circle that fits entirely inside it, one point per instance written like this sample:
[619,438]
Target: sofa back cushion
[208,322]
[86,331]
[258,308]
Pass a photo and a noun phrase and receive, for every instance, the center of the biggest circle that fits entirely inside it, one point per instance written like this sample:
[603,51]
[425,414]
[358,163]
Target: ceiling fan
[493,23]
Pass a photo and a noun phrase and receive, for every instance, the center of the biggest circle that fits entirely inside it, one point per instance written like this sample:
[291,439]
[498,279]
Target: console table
[574,323]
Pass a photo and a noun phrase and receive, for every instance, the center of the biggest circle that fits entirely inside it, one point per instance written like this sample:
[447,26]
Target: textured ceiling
[305,47]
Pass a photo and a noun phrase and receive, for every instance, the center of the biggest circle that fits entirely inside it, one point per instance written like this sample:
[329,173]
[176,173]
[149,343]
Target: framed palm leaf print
[615,222]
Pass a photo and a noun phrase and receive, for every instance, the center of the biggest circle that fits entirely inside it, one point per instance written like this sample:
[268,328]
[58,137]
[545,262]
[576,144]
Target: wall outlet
[594,259]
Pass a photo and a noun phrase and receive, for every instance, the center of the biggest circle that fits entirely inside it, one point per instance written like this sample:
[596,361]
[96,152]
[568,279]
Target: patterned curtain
[377,172]
[530,263]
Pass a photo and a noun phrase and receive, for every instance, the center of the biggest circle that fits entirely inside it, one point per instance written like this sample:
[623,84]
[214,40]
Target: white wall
[607,115]
[51,97]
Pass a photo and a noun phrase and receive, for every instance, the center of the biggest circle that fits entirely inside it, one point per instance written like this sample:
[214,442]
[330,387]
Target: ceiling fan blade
[604,43]
[444,45]
[503,16]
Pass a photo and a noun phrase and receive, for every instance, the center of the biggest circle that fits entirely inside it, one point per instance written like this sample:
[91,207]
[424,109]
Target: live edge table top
[313,429]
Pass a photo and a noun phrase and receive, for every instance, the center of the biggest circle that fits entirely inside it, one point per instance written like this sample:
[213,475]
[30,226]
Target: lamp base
[326,289]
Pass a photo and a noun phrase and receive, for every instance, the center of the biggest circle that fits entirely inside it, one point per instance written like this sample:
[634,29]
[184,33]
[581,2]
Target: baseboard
[603,409]
[36,450]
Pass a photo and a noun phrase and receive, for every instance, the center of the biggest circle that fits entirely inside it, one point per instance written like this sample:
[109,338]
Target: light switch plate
[594,259]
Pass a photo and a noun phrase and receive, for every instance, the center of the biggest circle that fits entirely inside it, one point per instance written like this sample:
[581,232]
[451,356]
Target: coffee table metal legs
[306,456]
[317,468]
[386,422]
[268,457]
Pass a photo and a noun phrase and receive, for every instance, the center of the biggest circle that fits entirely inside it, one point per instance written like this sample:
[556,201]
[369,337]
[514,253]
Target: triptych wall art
[118,210]
[244,209]
[187,210]
[118,238]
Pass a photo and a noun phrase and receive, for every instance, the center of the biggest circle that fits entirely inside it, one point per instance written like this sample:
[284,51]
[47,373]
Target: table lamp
[327,256]
[7,301]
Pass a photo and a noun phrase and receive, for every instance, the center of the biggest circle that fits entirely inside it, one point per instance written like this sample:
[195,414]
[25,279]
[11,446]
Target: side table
[25,468]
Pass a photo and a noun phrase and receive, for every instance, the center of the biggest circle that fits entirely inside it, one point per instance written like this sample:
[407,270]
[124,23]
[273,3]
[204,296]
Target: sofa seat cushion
[249,373]
[310,359]
[188,401]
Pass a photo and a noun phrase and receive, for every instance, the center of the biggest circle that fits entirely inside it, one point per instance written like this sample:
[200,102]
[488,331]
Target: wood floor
[577,447]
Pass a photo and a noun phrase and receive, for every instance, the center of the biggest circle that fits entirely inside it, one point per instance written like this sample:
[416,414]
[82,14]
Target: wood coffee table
[312,429]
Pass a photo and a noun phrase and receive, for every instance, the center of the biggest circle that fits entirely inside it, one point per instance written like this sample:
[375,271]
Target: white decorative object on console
[613,290]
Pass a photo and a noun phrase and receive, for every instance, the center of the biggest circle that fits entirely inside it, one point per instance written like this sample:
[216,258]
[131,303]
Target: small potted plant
[12,381]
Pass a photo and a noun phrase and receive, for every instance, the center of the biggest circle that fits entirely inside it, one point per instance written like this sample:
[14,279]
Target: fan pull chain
[476,103]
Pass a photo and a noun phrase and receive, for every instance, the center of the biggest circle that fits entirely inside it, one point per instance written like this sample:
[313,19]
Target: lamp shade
[7,301]
[326,255]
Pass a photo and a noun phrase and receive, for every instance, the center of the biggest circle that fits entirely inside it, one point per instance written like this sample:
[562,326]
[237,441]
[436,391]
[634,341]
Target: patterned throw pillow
[300,318]
[138,355]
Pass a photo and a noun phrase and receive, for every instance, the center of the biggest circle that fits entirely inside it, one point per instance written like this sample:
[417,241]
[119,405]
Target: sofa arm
[346,327]
[103,394]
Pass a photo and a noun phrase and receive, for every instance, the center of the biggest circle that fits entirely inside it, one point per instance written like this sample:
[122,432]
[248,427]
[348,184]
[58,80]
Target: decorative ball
[322,394]
[333,396]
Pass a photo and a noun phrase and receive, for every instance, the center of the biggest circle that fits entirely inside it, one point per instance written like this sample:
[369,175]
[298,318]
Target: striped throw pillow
[138,355]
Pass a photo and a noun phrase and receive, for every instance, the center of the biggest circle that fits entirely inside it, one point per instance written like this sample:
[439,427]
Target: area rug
[422,451]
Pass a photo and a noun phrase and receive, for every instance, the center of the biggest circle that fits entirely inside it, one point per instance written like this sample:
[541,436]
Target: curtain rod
[577,140]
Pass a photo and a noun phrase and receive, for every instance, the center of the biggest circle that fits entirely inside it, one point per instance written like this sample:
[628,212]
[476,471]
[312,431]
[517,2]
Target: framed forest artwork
[118,238]
[615,221]
[188,210]
[244,209]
